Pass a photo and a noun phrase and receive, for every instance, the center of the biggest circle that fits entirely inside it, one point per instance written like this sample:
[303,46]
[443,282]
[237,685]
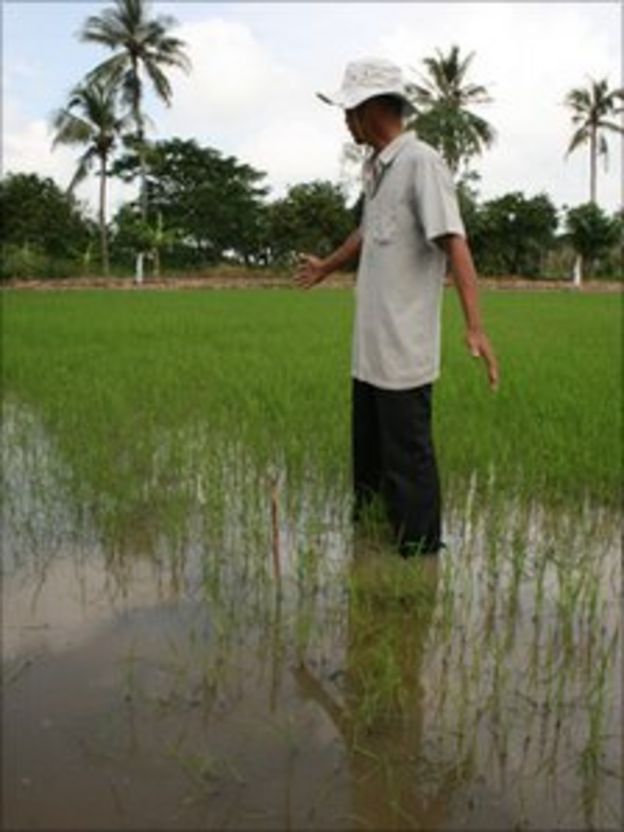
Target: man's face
[353,118]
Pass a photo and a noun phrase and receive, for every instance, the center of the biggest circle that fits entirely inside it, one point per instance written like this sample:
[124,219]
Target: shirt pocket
[384,224]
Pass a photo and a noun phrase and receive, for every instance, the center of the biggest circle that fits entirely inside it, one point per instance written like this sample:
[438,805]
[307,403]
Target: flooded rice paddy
[254,663]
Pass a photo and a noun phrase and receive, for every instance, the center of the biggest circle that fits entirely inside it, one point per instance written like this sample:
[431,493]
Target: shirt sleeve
[436,198]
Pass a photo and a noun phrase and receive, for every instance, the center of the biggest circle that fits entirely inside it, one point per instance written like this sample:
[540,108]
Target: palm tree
[594,111]
[139,43]
[91,118]
[442,116]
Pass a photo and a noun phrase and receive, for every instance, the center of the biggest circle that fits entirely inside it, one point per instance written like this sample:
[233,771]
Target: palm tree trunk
[103,236]
[136,108]
[143,185]
[138,274]
[592,161]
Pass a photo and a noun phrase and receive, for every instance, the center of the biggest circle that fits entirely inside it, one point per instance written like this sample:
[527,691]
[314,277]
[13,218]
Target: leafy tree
[132,233]
[141,44]
[214,203]
[442,101]
[468,198]
[35,213]
[91,119]
[612,261]
[311,217]
[594,111]
[512,234]
[591,233]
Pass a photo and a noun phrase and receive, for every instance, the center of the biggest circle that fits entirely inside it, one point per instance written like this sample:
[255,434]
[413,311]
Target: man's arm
[312,270]
[465,278]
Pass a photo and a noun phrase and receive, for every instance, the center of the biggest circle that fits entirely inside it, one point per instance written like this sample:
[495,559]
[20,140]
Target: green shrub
[25,261]
[28,262]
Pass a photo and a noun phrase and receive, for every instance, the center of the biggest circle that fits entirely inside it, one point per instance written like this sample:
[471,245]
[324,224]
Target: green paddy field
[190,619]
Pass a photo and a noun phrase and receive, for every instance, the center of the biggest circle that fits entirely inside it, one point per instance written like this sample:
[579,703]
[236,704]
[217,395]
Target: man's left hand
[480,347]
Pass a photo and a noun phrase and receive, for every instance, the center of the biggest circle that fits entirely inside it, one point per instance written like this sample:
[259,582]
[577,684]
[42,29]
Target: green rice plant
[228,366]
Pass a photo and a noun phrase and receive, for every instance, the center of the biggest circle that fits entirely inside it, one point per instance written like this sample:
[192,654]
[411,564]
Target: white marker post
[138,274]
[577,272]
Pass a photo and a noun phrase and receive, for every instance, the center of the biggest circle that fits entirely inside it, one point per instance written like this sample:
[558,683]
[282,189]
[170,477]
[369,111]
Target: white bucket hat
[365,79]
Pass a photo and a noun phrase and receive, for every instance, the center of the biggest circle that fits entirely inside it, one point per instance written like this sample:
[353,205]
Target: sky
[257,67]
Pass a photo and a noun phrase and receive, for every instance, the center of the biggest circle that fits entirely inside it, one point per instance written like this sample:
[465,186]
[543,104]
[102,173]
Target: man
[411,226]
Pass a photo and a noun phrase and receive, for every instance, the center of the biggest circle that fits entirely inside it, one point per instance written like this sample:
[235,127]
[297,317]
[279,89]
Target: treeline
[207,209]
[198,208]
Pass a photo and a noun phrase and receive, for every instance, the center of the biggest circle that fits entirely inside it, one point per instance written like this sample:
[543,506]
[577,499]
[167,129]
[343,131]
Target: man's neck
[385,137]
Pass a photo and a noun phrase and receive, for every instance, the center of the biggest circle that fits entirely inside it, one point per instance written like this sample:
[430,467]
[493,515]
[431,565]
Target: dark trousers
[393,456]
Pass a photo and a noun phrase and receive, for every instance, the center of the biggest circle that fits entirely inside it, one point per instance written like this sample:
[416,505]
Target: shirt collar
[392,150]
[375,164]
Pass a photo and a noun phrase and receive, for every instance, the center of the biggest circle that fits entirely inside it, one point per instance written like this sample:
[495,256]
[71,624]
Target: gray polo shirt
[410,199]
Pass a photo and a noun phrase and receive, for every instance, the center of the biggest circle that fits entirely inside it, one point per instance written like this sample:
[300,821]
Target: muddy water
[149,686]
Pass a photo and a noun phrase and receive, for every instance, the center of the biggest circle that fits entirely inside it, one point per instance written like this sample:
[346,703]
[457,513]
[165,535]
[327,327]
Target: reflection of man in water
[380,716]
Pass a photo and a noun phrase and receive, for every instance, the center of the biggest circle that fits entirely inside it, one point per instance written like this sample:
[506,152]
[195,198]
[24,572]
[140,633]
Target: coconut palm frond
[169,53]
[462,67]
[95,103]
[424,92]
[437,72]
[159,80]
[70,129]
[131,12]
[105,28]
[83,169]
[579,99]
[110,70]
[579,138]
[481,128]
[611,125]
[155,30]
[476,94]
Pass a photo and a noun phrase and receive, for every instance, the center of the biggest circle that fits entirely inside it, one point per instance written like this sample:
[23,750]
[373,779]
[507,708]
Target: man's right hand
[310,271]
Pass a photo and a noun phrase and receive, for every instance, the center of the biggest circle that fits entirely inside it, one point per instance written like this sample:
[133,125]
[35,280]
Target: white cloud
[233,82]
[239,97]
[292,150]
[27,148]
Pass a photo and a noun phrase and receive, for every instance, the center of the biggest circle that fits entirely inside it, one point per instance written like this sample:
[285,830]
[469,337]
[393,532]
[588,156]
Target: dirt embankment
[244,280]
